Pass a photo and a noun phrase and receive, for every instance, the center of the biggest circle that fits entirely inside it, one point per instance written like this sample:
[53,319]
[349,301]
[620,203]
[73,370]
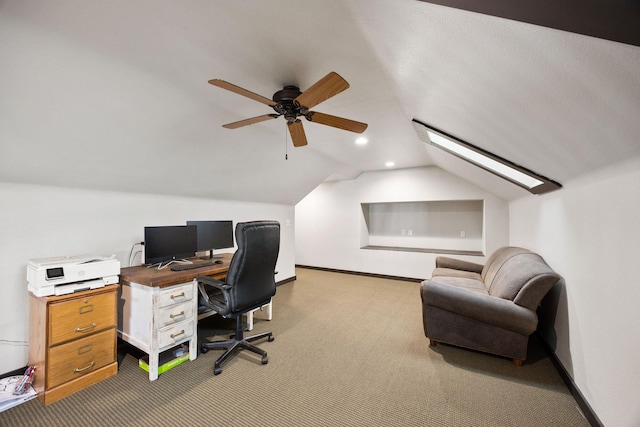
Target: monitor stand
[212,256]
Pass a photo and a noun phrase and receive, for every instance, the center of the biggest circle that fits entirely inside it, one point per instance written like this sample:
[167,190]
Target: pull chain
[286,146]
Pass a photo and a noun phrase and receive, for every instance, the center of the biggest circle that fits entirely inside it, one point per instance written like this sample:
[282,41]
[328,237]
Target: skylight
[503,168]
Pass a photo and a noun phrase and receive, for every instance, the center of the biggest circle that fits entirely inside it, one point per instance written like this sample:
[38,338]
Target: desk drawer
[80,317]
[175,313]
[175,295]
[80,357]
[175,334]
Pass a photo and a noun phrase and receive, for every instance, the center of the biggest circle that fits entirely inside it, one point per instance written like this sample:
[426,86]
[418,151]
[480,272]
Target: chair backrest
[252,270]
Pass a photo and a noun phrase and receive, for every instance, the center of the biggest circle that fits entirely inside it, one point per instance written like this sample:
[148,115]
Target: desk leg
[270,310]
[193,343]
[153,366]
[250,314]
[193,346]
[250,320]
[154,348]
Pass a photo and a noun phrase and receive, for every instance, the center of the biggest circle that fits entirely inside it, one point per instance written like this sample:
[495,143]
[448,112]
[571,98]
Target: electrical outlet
[463,234]
[410,232]
[403,232]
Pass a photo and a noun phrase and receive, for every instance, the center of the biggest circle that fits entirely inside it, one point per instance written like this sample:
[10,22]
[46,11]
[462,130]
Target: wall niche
[440,226]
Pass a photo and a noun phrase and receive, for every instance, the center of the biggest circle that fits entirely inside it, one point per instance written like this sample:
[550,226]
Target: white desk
[158,309]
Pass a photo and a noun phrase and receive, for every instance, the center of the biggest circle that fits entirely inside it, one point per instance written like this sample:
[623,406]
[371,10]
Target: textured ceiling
[114,95]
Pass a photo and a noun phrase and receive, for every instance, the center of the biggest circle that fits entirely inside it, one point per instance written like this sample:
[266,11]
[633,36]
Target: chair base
[235,344]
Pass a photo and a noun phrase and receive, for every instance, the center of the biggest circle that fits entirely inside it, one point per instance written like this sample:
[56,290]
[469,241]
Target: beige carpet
[348,351]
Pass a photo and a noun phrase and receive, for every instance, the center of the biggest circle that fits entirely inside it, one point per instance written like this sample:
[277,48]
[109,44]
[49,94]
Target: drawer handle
[89,366]
[178,334]
[178,296]
[88,328]
[85,309]
[85,349]
[173,316]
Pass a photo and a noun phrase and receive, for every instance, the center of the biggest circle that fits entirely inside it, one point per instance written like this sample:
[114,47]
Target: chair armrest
[483,308]
[219,305]
[213,282]
[458,264]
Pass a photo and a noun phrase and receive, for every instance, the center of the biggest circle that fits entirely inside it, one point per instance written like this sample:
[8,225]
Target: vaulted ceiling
[114,95]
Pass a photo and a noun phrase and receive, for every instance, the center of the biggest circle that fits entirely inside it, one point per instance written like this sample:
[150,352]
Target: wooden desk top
[153,277]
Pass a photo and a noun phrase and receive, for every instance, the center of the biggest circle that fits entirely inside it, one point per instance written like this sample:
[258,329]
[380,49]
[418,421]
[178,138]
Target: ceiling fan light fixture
[503,168]
[362,141]
[390,164]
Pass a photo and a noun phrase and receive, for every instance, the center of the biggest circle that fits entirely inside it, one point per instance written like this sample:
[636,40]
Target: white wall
[589,232]
[37,221]
[329,220]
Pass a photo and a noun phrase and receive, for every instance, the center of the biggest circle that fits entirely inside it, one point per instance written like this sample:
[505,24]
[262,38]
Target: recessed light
[390,164]
[362,140]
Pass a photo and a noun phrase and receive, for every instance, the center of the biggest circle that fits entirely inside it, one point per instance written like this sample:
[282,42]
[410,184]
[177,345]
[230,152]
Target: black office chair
[250,284]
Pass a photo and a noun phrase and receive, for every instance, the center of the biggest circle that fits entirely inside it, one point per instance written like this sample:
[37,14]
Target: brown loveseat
[490,307]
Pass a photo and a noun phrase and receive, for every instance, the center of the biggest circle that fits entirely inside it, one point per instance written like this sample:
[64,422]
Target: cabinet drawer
[175,334]
[80,357]
[80,317]
[175,294]
[175,313]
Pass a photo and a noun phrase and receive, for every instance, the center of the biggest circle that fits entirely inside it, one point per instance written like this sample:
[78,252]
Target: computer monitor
[169,243]
[213,235]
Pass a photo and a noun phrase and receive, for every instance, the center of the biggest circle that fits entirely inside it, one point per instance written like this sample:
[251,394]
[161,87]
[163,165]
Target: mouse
[219,261]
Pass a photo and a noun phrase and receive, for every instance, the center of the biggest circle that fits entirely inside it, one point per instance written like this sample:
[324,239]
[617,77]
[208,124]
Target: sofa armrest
[458,264]
[483,308]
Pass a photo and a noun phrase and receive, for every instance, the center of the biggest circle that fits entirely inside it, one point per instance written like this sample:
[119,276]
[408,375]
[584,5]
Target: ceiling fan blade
[328,86]
[336,122]
[250,121]
[298,137]
[240,91]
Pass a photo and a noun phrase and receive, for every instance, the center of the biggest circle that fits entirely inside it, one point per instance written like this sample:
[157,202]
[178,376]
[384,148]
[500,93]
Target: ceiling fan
[291,103]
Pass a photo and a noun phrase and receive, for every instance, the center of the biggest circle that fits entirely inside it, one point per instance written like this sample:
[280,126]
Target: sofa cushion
[451,272]
[515,272]
[496,261]
[462,283]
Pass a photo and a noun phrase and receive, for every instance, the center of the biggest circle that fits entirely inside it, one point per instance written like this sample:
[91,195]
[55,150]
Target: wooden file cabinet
[72,341]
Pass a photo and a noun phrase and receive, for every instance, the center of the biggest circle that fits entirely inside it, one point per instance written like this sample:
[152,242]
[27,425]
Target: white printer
[67,274]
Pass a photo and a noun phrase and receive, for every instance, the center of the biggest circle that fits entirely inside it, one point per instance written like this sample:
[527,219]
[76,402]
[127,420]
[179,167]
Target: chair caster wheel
[204,350]
[271,338]
[217,371]
[265,360]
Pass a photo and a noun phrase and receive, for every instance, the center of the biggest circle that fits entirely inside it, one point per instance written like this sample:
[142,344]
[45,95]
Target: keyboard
[183,267]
